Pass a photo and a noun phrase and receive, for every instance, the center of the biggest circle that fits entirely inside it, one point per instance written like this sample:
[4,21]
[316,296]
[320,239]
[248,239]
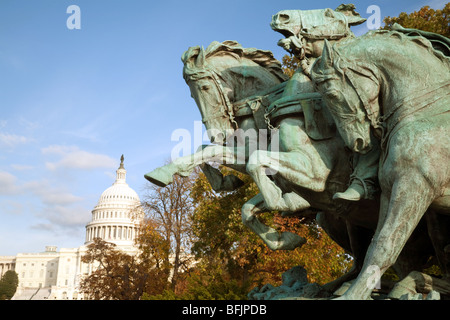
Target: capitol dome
[117,215]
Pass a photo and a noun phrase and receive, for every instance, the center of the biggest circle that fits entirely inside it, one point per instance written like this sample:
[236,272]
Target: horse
[217,88]
[394,87]
[251,72]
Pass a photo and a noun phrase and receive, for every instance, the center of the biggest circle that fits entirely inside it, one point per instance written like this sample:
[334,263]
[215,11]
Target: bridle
[245,107]
[373,116]
[229,110]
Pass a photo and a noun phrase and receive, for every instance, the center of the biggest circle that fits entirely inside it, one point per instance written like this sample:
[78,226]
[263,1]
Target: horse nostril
[218,138]
[280,19]
[361,146]
[283,18]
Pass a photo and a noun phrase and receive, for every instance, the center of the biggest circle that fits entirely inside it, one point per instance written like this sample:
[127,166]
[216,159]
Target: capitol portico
[56,275]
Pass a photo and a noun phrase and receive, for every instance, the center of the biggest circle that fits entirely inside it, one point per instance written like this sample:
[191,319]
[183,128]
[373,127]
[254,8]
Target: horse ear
[327,54]
[200,61]
[353,17]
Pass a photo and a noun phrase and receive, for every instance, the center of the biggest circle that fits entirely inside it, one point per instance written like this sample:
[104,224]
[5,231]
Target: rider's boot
[364,179]
[354,192]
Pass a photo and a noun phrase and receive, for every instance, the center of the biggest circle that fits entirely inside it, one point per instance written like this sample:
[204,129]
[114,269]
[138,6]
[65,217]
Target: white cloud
[58,149]
[21,167]
[74,158]
[61,198]
[53,200]
[62,216]
[12,207]
[43,226]
[49,195]
[12,140]
[8,183]
[29,125]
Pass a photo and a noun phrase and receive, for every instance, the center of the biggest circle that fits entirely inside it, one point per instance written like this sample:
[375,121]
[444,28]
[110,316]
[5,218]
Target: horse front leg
[271,237]
[218,181]
[294,167]
[184,166]
[407,204]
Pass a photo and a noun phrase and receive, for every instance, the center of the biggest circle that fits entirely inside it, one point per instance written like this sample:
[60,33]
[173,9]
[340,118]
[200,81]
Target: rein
[402,109]
[246,106]
[225,101]
[412,105]
[251,105]
[371,114]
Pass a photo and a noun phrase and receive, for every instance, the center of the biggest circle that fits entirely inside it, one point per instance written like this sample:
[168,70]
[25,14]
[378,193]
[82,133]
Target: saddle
[319,124]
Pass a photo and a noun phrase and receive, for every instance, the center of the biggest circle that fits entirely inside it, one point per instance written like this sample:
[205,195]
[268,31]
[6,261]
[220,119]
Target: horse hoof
[291,241]
[295,202]
[162,177]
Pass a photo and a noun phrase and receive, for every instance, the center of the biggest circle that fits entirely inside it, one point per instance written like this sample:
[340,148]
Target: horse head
[378,79]
[350,91]
[223,74]
[305,30]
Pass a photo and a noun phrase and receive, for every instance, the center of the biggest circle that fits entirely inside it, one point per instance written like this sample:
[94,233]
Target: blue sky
[73,101]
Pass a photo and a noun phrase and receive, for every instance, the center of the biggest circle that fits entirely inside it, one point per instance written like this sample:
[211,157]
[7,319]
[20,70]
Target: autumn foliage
[426,19]
[118,275]
[220,232]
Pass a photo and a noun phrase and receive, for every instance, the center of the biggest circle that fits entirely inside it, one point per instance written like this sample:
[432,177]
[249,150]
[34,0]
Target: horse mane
[342,61]
[403,37]
[194,59]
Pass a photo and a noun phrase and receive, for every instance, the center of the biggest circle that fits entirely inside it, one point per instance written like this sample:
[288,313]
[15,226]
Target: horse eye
[205,87]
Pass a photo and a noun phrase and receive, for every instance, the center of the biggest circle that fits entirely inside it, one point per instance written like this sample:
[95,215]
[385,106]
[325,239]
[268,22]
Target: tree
[425,19]
[232,260]
[221,237]
[8,285]
[169,210]
[120,276]
[289,64]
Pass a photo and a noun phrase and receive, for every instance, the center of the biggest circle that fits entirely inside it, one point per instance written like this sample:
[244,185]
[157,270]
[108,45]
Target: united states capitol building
[55,275]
